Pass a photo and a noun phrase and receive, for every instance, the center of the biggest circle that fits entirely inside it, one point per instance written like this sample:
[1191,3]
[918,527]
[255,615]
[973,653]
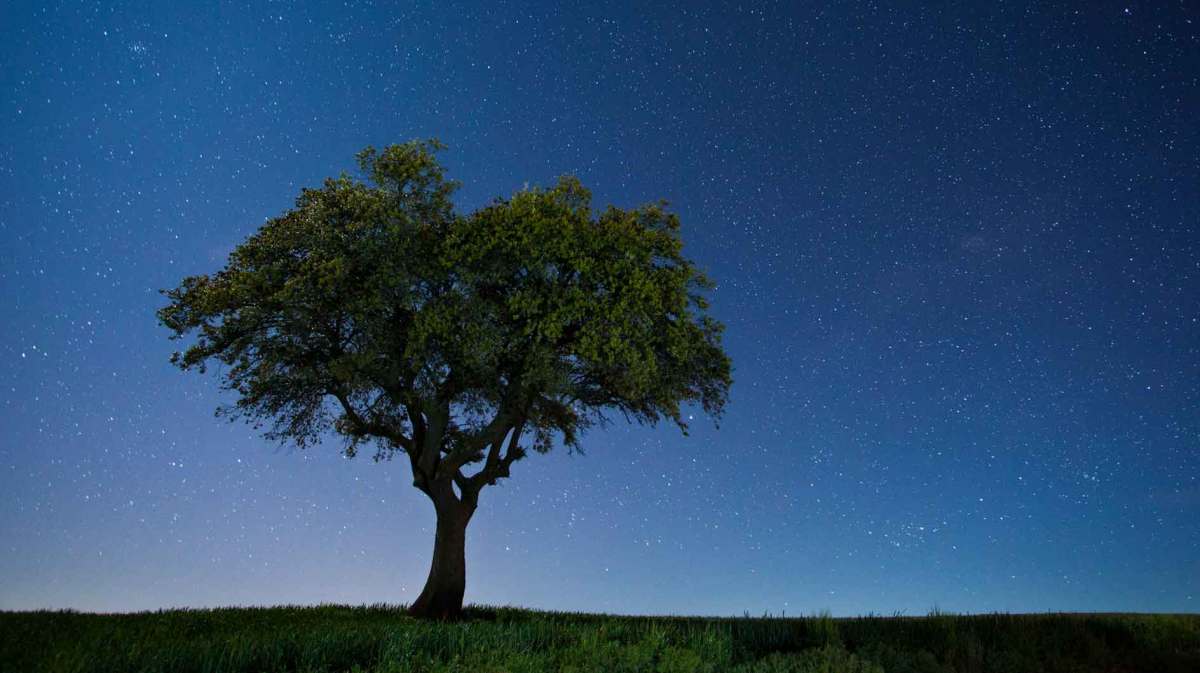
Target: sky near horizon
[957,248]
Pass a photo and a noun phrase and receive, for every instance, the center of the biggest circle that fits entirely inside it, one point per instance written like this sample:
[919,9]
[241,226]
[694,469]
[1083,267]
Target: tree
[374,310]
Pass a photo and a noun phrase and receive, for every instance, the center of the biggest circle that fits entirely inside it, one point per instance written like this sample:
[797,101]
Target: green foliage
[382,639]
[374,309]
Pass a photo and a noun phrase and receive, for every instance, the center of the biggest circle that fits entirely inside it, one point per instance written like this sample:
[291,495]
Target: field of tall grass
[381,638]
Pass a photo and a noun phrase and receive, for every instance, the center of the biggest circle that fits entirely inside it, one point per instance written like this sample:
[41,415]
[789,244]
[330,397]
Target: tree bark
[442,597]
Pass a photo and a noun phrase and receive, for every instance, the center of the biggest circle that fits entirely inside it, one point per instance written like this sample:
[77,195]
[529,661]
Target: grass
[381,639]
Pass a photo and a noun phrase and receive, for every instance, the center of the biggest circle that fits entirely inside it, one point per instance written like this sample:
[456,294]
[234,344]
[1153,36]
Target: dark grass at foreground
[382,638]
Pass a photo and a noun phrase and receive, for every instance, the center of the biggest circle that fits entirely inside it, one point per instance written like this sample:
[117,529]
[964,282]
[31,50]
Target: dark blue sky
[958,254]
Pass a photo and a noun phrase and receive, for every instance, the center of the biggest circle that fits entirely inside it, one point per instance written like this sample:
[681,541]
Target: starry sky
[957,252]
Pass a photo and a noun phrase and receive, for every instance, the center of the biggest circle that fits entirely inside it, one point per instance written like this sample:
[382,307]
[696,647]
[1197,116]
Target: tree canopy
[373,309]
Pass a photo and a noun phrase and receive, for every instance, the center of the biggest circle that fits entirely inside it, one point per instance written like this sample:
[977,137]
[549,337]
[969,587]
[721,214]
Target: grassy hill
[382,638]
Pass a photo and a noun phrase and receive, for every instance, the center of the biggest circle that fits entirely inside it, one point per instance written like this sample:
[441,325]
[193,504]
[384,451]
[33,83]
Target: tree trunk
[442,597]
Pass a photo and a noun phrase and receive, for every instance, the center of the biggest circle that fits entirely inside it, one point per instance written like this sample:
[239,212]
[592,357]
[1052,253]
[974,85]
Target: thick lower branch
[496,465]
[437,413]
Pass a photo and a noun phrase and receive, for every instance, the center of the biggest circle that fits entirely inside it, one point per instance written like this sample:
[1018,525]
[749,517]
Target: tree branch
[474,444]
[438,419]
[496,466]
[373,428]
[418,422]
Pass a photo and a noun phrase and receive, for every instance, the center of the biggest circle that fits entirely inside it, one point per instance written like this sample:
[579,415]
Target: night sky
[957,248]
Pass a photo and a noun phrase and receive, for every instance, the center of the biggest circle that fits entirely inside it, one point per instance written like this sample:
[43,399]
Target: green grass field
[382,638]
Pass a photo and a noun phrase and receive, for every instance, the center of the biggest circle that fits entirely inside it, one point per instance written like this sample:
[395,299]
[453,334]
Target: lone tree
[373,309]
